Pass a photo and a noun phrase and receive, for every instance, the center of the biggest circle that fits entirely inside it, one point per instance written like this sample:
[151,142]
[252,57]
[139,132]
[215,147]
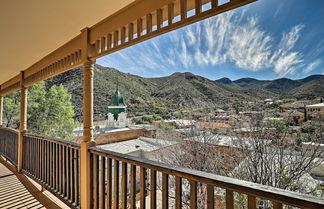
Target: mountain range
[180,91]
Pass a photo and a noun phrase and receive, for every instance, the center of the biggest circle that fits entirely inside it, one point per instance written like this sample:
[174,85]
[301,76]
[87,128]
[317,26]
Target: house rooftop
[316,105]
[142,143]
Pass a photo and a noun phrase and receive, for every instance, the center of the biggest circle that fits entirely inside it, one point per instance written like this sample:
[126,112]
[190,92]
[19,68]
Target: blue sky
[267,39]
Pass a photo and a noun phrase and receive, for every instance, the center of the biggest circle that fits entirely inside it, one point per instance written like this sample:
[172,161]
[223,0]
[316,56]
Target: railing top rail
[9,129]
[258,190]
[55,140]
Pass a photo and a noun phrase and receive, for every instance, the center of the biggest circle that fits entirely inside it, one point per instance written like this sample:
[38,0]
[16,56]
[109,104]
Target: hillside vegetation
[179,91]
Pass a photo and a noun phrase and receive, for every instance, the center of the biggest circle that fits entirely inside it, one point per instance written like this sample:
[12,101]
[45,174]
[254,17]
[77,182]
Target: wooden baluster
[47,173]
[153,188]
[103,44]
[32,154]
[197,6]
[178,192]
[116,38]
[63,171]
[109,184]
[139,27]
[251,202]
[60,170]
[27,155]
[277,205]
[76,55]
[130,31]
[210,197]
[122,34]
[95,181]
[102,182]
[159,16]
[165,191]
[43,160]
[57,173]
[92,190]
[170,13]
[67,169]
[214,3]
[51,165]
[79,55]
[193,195]
[97,46]
[109,41]
[34,157]
[133,187]
[40,159]
[124,185]
[37,159]
[71,174]
[148,23]
[72,61]
[183,9]
[142,187]
[229,199]
[76,174]
[116,184]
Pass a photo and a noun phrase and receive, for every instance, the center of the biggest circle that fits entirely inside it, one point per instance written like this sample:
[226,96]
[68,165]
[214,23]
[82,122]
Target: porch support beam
[1,110]
[87,140]
[23,120]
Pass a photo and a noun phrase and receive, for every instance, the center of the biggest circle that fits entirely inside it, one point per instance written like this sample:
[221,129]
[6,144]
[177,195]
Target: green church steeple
[117,103]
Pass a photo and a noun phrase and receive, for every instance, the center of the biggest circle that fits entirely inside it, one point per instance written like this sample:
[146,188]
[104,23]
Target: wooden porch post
[1,110]
[23,119]
[87,140]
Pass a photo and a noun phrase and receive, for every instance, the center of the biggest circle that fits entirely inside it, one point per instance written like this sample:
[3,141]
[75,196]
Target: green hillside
[179,91]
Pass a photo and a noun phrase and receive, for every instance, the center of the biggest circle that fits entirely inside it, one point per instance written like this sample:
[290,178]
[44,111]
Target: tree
[11,105]
[196,149]
[273,154]
[50,113]
[278,156]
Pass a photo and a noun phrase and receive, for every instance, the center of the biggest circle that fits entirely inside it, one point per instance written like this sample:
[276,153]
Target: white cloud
[229,37]
[312,66]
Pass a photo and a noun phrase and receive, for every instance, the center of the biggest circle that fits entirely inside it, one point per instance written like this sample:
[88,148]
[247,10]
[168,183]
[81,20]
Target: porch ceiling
[29,30]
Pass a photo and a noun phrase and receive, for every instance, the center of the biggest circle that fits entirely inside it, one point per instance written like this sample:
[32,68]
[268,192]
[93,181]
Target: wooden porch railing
[9,144]
[115,176]
[54,164]
[123,181]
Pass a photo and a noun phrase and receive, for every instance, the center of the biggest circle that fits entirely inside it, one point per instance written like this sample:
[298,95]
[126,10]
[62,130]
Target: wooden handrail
[55,140]
[9,129]
[249,188]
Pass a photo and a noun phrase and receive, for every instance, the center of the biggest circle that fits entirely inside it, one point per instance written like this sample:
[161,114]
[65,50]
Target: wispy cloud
[313,65]
[227,38]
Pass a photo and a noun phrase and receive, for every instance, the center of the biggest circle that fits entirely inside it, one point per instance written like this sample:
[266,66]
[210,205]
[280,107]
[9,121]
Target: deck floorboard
[18,191]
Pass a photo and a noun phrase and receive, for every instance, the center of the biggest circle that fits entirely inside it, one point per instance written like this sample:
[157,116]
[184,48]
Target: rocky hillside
[311,86]
[178,91]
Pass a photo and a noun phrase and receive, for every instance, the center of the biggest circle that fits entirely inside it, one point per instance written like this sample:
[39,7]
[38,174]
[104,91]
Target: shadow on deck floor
[17,191]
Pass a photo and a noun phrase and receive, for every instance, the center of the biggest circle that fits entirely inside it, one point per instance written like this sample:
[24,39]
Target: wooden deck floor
[18,191]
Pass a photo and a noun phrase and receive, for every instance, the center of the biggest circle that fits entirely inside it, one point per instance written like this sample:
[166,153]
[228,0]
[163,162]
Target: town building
[315,112]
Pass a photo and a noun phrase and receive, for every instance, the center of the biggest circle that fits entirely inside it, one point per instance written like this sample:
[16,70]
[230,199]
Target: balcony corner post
[87,139]
[23,120]
[1,110]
